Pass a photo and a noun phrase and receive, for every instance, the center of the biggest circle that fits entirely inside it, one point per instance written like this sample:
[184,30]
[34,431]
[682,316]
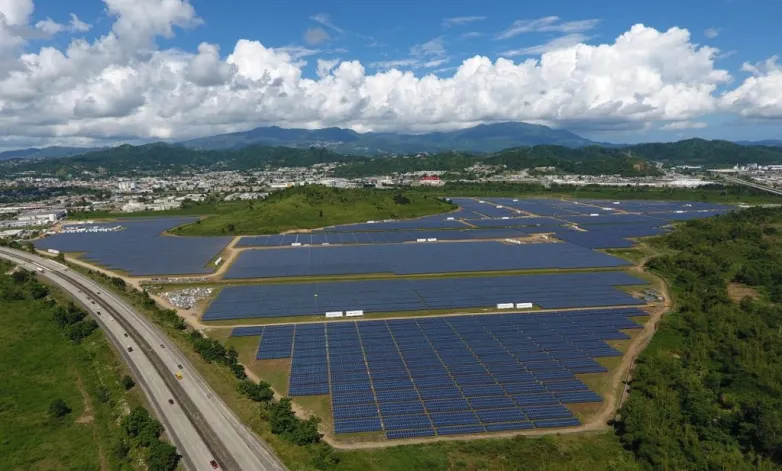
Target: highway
[758,186]
[199,423]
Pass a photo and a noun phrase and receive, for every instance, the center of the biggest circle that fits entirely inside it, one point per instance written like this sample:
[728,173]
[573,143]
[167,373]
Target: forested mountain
[482,138]
[591,160]
[44,153]
[166,158]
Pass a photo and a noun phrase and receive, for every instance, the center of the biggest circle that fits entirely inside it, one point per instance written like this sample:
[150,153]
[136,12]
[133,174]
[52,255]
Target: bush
[285,424]
[58,409]
[261,392]
[127,382]
[162,457]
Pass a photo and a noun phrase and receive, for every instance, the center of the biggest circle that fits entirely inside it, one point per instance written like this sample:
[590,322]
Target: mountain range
[484,138]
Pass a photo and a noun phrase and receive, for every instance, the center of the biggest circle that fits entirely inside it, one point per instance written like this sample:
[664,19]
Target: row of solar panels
[299,299]
[407,259]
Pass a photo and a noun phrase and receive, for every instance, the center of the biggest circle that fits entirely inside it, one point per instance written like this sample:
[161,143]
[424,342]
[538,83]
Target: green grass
[313,207]
[598,452]
[38,365]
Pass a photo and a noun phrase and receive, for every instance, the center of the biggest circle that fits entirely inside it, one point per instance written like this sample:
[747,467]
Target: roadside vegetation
[64,403]
[314,206]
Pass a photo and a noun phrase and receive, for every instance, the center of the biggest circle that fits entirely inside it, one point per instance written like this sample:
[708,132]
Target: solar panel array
[384,237]
[449,375]
[439,221]
[140,249]
[408,259]
[556,291]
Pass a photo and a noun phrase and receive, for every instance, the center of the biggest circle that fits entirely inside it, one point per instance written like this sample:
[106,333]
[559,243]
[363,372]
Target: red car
[214,464]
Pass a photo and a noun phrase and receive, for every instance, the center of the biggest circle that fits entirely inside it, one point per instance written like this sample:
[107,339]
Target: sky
[100,72]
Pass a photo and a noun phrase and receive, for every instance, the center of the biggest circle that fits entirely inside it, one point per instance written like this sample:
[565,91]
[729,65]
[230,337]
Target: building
[127,186]
[42,216]
[432,180]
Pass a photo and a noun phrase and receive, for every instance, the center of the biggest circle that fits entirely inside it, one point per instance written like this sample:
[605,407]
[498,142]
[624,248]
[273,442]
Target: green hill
[314,206]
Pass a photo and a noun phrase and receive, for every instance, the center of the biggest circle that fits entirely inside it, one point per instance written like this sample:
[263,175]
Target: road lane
[246,450]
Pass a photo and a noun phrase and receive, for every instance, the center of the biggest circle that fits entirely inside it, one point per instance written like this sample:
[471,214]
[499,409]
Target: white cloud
[548,24]
[425,55]
[49,26]
[759,96]
[325,20]
[15,12]
[79,26]
[316,36]
[679,125]
[123,87]
[471,35]
[562,42]
[433,47]
[711,33]
[461,20]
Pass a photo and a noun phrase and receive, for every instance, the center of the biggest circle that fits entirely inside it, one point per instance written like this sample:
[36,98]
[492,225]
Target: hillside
[706,392]
[312,207]
[482,138]
[591,160]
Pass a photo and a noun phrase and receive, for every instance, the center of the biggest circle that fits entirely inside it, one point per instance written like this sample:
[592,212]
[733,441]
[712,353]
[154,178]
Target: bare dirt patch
[738,291]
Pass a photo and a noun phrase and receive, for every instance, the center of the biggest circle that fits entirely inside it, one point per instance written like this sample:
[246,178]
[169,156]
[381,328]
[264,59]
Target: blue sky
[423,38]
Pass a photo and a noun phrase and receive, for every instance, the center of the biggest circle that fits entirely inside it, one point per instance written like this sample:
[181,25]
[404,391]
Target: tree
[127,382]
[162,457]
[58,409]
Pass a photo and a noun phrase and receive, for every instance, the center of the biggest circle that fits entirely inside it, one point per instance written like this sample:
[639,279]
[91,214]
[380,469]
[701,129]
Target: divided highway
[198,422]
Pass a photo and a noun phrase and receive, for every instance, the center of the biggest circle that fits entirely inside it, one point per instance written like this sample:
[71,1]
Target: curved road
[199,423]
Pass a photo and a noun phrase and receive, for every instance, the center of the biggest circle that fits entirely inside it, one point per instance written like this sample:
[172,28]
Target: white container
[333,314]
[432,239]
[505,305]
[356,313]
[523,305]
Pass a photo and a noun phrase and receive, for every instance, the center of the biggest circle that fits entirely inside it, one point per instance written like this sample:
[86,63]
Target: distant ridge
[44,153]
[483,138]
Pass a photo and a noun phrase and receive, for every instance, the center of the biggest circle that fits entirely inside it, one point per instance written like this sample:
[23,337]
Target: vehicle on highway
[126,334]
[179,366]
[178,375]
[171,401]
[130,349]
[214,464]
[162,346]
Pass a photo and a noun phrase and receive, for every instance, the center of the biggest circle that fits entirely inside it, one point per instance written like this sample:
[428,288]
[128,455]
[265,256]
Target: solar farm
[139,248]
[496,317]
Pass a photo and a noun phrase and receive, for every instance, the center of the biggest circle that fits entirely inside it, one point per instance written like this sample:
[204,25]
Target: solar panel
[145,251]
[299,299]
[407,259]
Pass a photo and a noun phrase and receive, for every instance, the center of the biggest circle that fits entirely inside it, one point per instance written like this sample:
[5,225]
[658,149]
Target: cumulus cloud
[548,24]
[760,96]
[122,86]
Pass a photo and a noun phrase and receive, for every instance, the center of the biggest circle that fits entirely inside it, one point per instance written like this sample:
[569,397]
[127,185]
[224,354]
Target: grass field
[38,364]
[312,207]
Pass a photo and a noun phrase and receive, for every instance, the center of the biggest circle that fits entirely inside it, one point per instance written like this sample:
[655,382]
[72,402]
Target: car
[179,366]
[171,401]
[178,375]
[126,334]
[97,312]
[214,465]
[130,349]
[162,346]
[93,302]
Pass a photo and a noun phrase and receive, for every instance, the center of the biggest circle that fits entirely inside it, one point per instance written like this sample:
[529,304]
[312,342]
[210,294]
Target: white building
[45,216]
[127,186]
